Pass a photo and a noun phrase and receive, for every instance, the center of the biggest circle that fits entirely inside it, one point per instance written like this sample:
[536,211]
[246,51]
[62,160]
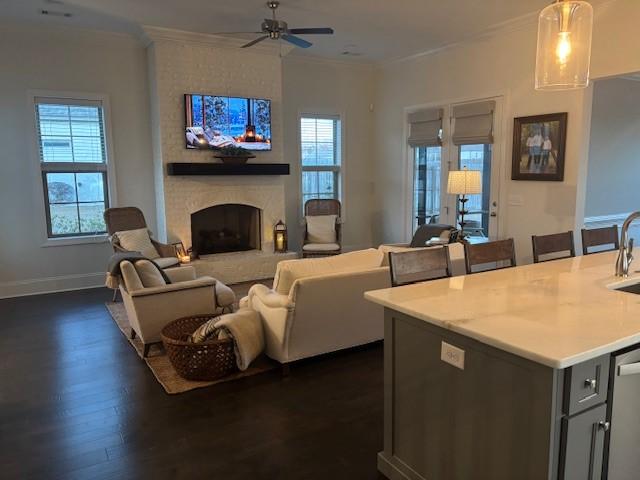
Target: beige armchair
[149,309]
[132,218]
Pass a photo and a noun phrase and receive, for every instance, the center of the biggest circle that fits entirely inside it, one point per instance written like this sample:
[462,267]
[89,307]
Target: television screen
[214,121]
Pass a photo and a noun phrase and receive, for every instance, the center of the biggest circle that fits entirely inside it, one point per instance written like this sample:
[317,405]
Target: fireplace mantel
[185,168]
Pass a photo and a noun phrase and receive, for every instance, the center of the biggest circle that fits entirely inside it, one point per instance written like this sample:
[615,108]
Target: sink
[629,288]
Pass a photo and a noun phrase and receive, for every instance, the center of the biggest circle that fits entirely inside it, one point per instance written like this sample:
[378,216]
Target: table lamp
[464,182]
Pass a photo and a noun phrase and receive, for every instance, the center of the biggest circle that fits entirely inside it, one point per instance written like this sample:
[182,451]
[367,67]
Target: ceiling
[371,30]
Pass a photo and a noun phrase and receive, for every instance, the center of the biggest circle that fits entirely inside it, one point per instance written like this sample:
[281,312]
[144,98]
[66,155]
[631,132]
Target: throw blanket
[245,327]
[113,267]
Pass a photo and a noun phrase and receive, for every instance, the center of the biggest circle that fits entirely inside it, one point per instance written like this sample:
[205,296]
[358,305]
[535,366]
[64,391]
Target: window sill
[66,241]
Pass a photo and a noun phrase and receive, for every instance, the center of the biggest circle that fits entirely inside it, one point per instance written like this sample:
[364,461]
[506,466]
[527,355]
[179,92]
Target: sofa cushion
[289,271]
[137,241]
[149,274]
[166,262]
[321,228]
[130,277]
[321,247]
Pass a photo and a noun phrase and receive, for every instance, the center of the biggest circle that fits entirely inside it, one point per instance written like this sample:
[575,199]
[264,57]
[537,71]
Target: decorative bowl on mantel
[234,155]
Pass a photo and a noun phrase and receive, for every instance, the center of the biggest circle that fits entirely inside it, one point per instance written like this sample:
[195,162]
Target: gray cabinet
[496,413]
[583,444]
[586,385]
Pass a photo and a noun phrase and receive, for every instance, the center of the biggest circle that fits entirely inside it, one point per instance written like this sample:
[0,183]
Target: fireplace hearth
[230,227]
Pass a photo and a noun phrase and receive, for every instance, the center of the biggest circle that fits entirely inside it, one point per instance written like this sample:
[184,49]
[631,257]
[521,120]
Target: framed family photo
[538,147]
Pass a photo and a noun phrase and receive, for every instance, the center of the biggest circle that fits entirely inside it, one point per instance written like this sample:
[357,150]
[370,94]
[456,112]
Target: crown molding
[512,25]
[151,34]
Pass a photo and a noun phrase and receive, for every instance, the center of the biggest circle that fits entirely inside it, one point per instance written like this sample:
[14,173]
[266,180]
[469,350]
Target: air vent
[54,13]
[350,54]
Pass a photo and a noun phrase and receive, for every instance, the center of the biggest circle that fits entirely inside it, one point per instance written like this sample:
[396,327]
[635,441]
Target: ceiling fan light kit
[564,45]
[275,29]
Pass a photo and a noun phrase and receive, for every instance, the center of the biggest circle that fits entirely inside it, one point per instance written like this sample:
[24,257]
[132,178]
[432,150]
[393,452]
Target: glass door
[478,157]
[427,174]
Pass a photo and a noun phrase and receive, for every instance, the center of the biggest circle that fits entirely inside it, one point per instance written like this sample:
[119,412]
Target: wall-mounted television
[214,121]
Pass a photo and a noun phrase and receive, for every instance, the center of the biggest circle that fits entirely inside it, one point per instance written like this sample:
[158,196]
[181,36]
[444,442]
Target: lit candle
[279,242]
[185,259]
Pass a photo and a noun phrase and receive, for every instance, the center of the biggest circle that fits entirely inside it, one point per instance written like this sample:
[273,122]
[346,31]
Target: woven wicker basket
[197,361]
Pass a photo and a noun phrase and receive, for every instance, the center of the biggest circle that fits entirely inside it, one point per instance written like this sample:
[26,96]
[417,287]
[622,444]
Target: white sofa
[317,305]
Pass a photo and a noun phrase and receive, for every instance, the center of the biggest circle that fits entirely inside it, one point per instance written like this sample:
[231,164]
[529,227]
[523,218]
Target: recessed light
[54,13]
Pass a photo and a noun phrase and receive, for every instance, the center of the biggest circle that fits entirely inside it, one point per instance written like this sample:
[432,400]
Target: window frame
[41,169]
[339,151]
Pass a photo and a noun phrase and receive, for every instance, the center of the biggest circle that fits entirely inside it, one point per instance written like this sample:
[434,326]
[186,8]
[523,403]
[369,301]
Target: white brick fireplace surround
[181,63]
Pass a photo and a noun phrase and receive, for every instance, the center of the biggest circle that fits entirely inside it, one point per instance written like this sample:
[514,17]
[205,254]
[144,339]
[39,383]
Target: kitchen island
[506,374]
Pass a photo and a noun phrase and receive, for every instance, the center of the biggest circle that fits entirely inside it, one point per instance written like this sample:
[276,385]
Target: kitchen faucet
[625,254]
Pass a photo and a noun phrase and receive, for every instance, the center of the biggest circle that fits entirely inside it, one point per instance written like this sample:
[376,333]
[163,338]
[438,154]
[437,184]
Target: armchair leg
[132,335]
[286,370]
[145,352]
[115,296]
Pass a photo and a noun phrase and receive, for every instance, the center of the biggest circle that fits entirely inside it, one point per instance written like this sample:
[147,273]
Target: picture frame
[539,144]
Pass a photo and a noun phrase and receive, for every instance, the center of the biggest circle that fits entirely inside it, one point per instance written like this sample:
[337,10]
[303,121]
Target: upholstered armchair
[127,219]
[322,233]
[149,308]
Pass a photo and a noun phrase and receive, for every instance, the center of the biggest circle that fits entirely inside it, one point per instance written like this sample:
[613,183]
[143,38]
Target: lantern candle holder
[280,237]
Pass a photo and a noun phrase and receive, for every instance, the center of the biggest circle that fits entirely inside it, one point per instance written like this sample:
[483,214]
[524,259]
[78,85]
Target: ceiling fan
[278,29]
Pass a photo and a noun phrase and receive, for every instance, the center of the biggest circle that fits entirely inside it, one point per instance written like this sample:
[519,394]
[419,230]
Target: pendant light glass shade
[564,45]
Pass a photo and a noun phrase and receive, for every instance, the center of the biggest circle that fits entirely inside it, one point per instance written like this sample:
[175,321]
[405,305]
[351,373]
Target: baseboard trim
[62,283]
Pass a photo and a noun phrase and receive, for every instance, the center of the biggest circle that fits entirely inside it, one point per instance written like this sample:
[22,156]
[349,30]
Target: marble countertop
[556,313]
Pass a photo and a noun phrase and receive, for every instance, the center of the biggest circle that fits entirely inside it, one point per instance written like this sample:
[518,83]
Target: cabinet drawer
[586,385]
[583,445]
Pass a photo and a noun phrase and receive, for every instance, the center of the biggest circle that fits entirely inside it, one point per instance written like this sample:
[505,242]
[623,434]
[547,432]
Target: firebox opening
[226,228]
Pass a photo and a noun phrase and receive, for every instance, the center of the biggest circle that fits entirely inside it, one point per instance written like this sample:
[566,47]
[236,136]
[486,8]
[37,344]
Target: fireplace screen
[225,228]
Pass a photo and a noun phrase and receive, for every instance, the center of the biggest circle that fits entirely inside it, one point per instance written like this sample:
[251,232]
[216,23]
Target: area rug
[159,363]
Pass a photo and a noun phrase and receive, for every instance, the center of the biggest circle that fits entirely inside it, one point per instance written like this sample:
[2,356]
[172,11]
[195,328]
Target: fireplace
[230,227]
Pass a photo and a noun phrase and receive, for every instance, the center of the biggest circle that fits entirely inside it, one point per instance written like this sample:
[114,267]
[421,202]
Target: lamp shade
[464,182]
[564,45]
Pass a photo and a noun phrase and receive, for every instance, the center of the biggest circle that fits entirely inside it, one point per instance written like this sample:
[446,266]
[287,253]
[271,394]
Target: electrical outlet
[452,355]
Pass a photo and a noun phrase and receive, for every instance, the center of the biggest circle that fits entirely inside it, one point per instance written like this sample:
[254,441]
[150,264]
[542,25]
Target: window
[426,188]
[320,151]
[73,162]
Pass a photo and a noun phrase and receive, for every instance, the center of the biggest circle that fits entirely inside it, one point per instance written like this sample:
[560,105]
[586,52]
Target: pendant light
[564,45]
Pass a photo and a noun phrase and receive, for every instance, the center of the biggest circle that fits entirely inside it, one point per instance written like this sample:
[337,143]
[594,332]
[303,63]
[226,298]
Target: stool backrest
[554,243]
[419,265]
[596,237]
[490,253]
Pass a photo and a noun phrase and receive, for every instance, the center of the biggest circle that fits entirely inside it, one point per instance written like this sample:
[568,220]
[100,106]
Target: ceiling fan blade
[253,42]
[311,31]
[235,33]
[297,41]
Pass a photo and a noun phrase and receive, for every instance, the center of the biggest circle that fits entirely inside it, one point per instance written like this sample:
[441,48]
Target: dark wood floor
[77,403]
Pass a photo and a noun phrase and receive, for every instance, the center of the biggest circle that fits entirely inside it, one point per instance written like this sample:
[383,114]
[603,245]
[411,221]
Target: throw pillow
[137,241]
[206,331]
[321,228]
[149,274]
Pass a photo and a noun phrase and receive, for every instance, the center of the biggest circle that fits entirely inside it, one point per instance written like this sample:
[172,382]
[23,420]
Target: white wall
[614,152]
[77,61]
[326,87]
[500,64]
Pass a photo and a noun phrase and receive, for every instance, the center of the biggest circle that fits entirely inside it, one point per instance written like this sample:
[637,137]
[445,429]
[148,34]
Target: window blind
[70,132]
[425,127]
[473,123]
